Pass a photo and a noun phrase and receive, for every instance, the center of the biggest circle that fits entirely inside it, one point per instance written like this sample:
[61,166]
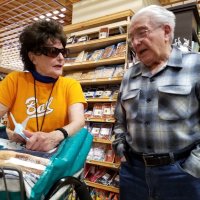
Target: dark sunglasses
[53,52]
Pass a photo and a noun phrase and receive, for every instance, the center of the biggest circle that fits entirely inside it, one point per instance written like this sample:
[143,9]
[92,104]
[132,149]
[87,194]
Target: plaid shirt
[160,113]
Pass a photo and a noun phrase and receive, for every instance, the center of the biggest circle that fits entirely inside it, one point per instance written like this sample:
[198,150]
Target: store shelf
[96,100]
[100,140]
[101,186]
[111,120]
[101,81]
[92,64]
[104,164]
[95,44]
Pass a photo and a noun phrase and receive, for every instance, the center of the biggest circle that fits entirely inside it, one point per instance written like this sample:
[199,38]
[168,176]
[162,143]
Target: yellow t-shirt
[17,93]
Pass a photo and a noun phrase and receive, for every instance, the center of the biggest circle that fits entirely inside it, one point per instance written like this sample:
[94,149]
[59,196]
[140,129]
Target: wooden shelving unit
[95,44]
[103,187]
[93,64]
[92,45]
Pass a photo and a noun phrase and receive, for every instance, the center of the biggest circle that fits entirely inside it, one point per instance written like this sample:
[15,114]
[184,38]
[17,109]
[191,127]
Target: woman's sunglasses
[53,52]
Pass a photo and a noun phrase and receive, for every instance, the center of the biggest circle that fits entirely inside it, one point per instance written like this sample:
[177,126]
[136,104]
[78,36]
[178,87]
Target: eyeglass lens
[54,52]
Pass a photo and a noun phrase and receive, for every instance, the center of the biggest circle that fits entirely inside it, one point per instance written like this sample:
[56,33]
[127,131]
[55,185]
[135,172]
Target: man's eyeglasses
[53,52]
[142,33]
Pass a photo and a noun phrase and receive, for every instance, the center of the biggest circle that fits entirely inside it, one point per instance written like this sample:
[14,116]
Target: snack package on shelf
[105,178]
[88,75]
[90,155]
[89,170]
[115,92]
[119,71]
[70,60]
[108,51]
[108,72]
[97,110]
[107,93]
[99,92]
[90,93]
[75,75]
[120,50]
[80,57]
[95,130]
[106,110]
[115,181]
[71,39]
[83,38]
[99,72]
[88,114]
[103,32]
[96,55]
[100,172]
[106,130]
[99,151]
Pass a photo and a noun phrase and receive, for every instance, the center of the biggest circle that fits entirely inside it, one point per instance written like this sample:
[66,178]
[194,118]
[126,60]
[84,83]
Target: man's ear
[167,30]
[31,56]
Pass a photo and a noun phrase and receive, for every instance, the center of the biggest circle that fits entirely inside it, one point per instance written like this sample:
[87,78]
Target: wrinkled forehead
[140,22]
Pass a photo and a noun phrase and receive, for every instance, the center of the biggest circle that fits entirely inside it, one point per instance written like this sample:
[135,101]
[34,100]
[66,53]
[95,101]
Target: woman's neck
[41,78]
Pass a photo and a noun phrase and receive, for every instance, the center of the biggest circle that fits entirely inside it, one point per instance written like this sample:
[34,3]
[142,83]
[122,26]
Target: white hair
[158,15]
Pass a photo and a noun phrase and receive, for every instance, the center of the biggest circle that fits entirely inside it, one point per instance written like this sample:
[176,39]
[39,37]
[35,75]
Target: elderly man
[157,130]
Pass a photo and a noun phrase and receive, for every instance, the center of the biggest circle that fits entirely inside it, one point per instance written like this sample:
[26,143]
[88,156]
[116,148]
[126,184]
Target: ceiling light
[61,21]
[48,14]
[47,19]
[35,18]
[42,16]
[63,9]
[55,12]
[61,15]
[54,17]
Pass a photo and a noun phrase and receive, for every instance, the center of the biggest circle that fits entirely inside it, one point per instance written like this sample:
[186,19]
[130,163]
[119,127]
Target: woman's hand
[42,141]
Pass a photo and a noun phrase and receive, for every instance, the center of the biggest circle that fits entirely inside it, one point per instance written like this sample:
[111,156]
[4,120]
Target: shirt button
[149,146]
[148,100]
[152,79]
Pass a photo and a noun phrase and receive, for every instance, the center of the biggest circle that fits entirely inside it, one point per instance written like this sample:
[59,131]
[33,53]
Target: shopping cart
[62,189]
[58,179]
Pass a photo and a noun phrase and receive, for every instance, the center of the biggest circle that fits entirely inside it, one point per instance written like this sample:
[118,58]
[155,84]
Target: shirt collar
[175,61]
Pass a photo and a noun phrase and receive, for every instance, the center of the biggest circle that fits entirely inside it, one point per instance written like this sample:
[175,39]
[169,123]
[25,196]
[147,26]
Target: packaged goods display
[120,50]
[108,51]
[71,39]
[96,55]
[103,32]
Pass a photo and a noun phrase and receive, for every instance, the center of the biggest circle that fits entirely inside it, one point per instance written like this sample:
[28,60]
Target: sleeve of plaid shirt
[119,128]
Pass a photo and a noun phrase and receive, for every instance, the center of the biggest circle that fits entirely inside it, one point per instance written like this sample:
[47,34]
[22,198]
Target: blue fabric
[41,78]
[167,182]
[69,159]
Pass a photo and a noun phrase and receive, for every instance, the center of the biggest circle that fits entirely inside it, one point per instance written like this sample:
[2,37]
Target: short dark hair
[36,35]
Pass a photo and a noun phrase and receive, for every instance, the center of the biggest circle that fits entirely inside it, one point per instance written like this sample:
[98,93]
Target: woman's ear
[31,56]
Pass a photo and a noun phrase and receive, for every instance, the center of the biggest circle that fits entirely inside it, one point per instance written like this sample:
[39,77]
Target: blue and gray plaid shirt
[160,113]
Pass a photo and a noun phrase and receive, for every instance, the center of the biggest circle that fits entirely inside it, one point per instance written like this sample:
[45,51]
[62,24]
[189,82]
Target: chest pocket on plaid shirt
[130,103]
[173,102]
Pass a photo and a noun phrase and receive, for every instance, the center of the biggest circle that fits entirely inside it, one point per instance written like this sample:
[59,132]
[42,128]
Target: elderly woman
[53,105]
